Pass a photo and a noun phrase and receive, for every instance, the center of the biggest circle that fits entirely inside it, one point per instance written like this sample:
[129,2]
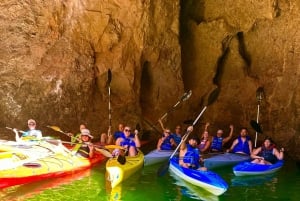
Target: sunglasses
[31,124]
[167,132]
[127,130]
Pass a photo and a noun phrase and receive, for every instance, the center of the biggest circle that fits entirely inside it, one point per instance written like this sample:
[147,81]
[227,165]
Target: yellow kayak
[24,163]
[117,172]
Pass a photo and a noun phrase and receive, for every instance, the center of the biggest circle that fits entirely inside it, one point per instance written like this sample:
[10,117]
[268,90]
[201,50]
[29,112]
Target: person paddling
[267,154]
[86,147]
[243,144]
[189,156]
[31,134]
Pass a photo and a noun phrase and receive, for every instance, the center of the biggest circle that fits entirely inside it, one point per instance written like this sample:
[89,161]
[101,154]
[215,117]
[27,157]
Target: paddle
[56,128]
[256,126]
[212,97]
[184,97]
[20,131]
[109,77]
[259,97]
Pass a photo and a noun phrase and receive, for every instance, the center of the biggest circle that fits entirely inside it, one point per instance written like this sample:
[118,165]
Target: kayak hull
[206,180]
[248,168]
[117,172]
[225,159]
[23,168]
[157,156]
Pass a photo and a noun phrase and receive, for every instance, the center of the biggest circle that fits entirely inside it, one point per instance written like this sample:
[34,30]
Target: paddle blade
[121,159]
[213,96]
[256,126]
[186,95]
[162,170]
[56,128]
[104,152]
[260,94]
[109,77]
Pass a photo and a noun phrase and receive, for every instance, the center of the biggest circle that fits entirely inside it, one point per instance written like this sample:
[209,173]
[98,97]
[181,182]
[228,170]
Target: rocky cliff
[55,56]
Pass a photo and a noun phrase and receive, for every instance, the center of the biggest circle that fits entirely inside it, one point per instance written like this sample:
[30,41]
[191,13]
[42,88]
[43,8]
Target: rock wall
[240,46]
[55,56]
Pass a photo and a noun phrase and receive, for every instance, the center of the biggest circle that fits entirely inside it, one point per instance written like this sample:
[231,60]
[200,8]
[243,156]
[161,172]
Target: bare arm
[230,135]
[233,145]
[255,152]
[137,139]
[279,154]
[207,146]
[161,124]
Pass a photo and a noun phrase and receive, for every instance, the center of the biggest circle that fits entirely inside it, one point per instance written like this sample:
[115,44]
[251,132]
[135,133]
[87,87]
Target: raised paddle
[256,126]
[259,97]
[212,97]
[184,97]
[109,78]
[56,128]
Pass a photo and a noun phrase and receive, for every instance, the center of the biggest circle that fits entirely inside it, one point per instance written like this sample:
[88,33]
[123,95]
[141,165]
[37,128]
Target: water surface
[91,185]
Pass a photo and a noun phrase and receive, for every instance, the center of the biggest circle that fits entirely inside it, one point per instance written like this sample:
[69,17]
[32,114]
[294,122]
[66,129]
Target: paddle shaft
[188,132]
[184,97]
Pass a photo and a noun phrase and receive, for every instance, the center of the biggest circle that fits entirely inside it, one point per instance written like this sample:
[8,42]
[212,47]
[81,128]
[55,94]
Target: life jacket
[242,146]
[127,141]
[268,155]
[176,138]
[202,144]
[217,143]
[84,150]
[166,144]
[192,157]
[33,133]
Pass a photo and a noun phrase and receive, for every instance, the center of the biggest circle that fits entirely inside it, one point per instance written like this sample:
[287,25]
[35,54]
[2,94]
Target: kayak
[207,180]
[157,156]
[189,190]
[117,173]
[26,162]
[248,168]
[224,159]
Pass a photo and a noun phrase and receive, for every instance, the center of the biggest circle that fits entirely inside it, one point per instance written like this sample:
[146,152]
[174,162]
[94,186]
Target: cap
[31,121]
[86,132]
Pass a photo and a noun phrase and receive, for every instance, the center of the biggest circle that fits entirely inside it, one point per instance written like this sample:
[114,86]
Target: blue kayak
[248,168]
[157,156]
[224,159]
[206,180]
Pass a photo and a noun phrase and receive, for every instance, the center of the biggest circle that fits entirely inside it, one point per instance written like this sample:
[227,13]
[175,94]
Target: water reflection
[193,191]
[26,191]
[255,180]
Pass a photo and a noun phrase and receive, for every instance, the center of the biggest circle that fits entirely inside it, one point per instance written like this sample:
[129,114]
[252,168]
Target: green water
[146,186]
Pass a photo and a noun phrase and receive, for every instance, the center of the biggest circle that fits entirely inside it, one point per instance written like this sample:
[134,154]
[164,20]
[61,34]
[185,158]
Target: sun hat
[31,121]
[86,132]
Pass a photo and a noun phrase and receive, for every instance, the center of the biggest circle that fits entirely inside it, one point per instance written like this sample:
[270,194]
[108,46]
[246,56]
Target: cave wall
[240,46]
[55,56]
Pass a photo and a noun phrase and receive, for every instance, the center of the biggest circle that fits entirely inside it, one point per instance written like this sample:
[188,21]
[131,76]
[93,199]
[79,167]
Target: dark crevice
[243,51]
[146,84]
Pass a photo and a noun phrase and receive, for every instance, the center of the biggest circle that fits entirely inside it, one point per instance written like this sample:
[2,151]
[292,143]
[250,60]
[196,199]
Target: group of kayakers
[190,150]
[193,147]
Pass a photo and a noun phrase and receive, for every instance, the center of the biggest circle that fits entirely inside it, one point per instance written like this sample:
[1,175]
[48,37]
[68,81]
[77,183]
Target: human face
[121,127]
[82,126]
[205,134]
[127,131]
[243,132]
[219,133]
[267,143]
[31,126]
[193,142]
[167,132]
[85,138]
[178,129]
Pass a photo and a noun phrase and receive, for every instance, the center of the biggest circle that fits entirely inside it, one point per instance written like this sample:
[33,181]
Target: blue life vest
[268,155]
[166,144]
[127,141]
[192,157]
[242,146]
[177,138]
[217,143]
